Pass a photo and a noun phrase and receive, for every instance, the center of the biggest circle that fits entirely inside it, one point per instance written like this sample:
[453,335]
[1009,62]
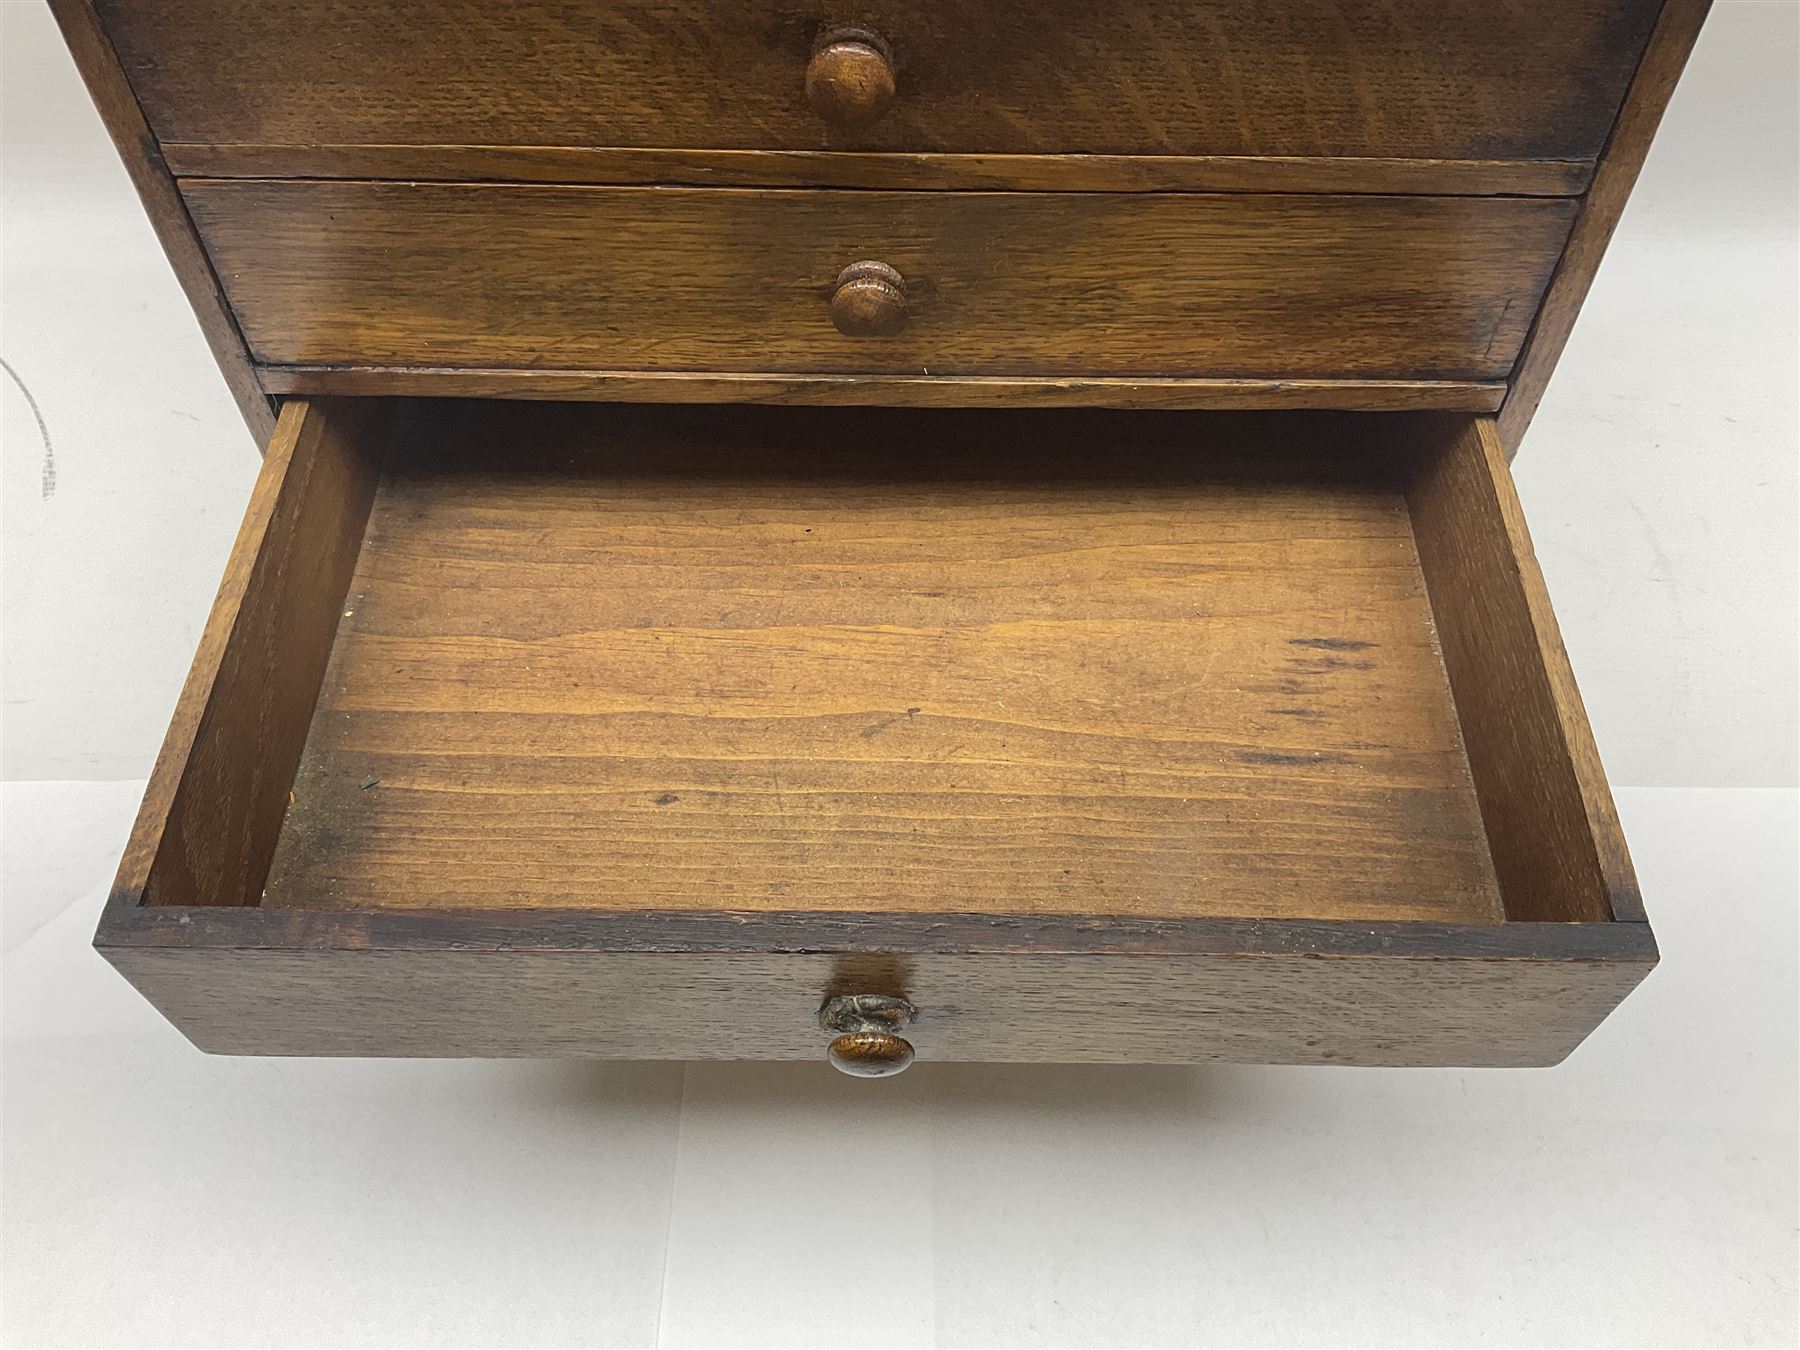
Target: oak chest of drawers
[982,528]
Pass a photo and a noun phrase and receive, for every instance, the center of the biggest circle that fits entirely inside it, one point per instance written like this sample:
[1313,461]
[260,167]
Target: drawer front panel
[999,284]
[1443,79]
[1506,1010]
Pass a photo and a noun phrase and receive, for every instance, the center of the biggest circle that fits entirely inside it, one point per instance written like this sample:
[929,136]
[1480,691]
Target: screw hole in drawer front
[869,300]
[850,78]
[867,1044]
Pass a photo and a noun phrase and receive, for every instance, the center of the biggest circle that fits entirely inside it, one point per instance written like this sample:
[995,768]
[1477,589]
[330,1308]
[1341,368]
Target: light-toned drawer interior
[610,678]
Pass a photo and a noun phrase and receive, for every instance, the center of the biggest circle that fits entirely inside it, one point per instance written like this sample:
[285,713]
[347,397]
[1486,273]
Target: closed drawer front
[534,729]
[1433,79]
[990,283]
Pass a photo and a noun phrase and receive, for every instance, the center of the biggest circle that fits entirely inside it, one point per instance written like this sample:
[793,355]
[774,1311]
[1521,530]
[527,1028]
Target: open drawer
[588,730]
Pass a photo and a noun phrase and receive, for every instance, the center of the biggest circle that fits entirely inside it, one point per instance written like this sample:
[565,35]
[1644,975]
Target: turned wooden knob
[867,1044]
[870,1054]
[869,300]
[850,79]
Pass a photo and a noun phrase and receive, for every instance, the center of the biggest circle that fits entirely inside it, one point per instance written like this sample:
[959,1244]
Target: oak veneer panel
[1434,79]
[699,659]
[968,391]
[886,169]
[1403,1005]
[1024,284]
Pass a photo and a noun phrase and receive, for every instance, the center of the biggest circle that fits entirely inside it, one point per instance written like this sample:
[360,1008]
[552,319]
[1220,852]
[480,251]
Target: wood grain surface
[1435,79]
[1021,284]
[715,659]
[887,169]
[1164,550]
[214,804]
[1242,1007]
[949,391]
[1554,833]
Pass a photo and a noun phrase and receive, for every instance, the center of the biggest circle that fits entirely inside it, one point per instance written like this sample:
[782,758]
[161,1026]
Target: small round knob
[850,79]
[867,1044]
[869,300]
[870,1054]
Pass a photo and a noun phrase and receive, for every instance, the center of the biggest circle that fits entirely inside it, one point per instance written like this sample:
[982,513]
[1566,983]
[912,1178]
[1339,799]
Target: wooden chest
[976,528]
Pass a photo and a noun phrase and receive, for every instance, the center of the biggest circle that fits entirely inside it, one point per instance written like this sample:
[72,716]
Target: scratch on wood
[1325,665]
[1279,757]
[869,733]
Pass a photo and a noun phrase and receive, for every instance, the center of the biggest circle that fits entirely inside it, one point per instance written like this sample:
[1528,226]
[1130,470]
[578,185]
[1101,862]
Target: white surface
[1642,1194]
[1660,477]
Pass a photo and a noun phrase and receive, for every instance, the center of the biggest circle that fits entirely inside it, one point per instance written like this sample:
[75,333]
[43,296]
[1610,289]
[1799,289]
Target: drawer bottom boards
[526,729]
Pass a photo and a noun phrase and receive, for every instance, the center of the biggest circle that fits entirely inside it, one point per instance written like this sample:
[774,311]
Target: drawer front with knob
[1416,79]
[855,735]
[510,276]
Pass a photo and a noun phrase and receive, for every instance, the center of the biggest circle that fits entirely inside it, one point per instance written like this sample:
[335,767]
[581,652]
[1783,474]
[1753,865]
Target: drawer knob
[869,300]
[850,79]
[867,1043]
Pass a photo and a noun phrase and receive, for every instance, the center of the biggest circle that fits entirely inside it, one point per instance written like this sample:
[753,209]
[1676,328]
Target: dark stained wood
[886,169]
[866,943]
[868,300]
[696,658]
[1516,75]
[850,79]
[1554,834]
[207,828]
[620,386]
[1083,284]
[535,730]
[137,147]
[1096,989]
[1434,79]
[1400,1007]
[1676,32]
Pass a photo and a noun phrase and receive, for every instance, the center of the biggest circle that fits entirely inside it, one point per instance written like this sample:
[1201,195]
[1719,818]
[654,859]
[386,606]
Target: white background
[1645,1193]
